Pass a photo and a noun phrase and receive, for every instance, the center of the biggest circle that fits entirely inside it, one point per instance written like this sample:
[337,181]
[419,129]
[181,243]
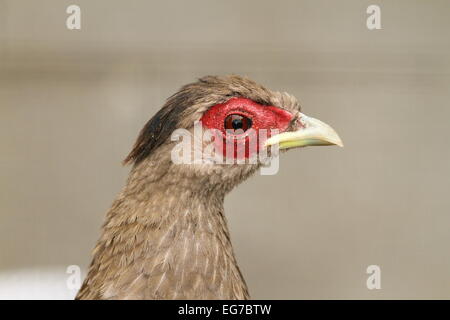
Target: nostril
[298,122]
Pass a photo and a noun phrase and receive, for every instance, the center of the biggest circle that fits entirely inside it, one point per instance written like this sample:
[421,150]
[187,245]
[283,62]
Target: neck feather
[164,238]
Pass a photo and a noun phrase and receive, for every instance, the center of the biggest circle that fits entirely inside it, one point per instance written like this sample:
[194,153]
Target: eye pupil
[236,122]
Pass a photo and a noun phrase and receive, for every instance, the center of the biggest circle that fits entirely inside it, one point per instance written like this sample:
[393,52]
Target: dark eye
[236,122]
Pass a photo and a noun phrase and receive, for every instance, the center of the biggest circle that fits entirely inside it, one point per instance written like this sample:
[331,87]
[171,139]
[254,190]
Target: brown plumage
[166,236]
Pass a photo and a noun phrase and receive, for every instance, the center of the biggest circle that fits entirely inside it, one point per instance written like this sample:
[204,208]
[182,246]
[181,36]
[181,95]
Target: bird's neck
[165,238]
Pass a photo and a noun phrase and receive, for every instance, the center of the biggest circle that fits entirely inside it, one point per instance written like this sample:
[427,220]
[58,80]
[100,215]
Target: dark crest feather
[156,131]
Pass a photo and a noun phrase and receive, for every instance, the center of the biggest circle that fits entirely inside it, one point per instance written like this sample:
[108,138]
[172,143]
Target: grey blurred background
[72,103]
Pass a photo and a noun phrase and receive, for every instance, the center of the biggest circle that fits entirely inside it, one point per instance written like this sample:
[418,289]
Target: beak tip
[339,143]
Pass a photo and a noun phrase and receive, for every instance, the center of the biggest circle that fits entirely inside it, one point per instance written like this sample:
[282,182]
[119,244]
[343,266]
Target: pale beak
[311,132]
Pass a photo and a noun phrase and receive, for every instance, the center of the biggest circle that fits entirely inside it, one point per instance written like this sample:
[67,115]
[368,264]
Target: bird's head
[236,110]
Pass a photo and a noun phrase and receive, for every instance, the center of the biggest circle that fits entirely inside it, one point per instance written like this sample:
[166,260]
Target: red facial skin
[262,116]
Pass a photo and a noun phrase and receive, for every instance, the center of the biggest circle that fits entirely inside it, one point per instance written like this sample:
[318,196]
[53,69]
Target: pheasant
[165,235]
